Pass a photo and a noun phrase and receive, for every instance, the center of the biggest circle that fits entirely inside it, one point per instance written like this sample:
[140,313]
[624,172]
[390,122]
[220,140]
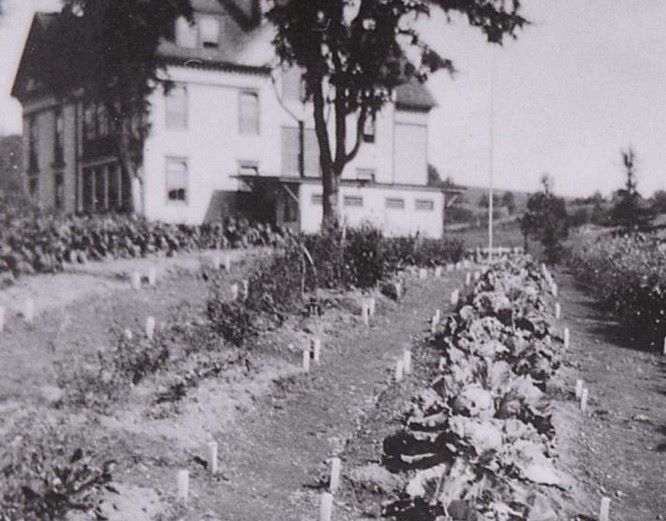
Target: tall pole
[491,156]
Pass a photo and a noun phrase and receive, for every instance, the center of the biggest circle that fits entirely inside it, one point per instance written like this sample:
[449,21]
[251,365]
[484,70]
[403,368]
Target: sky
[584,80]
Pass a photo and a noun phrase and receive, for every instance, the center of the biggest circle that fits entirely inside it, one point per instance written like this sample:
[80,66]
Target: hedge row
[628,277]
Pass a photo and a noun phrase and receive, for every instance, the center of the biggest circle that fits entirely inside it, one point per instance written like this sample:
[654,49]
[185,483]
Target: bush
[628,276]
[231,319]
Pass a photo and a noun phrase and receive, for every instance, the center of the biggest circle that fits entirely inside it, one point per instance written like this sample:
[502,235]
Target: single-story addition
[226,139]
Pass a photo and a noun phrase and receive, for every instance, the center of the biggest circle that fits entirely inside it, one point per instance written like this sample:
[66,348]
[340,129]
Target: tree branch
[360,124]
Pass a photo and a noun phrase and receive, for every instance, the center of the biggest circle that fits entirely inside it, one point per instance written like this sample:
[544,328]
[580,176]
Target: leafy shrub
[42,478]
[231,319]
[628,276]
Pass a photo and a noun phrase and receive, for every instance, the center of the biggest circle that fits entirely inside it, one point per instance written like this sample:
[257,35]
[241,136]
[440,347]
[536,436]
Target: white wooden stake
[399,370]
[458,266]
[477,275]
[604,510]
[29,311]
[407,362]
[365,313]
[455,295]
[664,346]
[579,389]
[468,279]
[246,289]
[227,262]
[211,457]
[336,465]
[567,338]
[150,327]
[2,318]
[442,363]
[558,310]
[135,280]
[233,289]
[449,268]
[372,306]
[583,400]
[438,271]
[152,276]
[316,349]
[423,273]
[183,479]
[306,360]
[326,507]
[128,334]
[554,290]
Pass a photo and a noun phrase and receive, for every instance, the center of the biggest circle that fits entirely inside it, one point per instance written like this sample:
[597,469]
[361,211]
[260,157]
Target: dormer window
[209,30]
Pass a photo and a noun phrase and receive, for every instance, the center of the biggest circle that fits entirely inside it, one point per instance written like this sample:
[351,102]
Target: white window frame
[430,203]
[178,202]
[173,120]
[243,128]
[215,27]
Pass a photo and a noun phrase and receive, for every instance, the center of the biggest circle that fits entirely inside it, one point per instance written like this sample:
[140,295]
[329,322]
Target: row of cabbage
[476,443]
[628,276]
[43,244]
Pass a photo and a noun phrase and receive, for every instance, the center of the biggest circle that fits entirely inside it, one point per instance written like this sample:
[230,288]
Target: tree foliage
[546,220]
[108,48]
[630,210]
[354,55]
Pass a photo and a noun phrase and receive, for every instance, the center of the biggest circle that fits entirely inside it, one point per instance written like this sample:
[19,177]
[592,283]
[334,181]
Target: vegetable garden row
[476,443]
[628,276]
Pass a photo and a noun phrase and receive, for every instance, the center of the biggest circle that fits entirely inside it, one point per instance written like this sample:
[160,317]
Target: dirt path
[273,457]
[619,450]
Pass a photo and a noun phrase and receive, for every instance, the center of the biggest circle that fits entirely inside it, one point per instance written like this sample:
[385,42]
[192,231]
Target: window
[176,107]
[249,113]
[317,199]
[248,168]
[186,33]
[291,152]
[209,31]
[89,122]
[33,145]
[59,138]
[101,188]
[115,192]
[293,86]
[102,120]
[369,130]
[424,204]
[365,174]
[33,185]
[58,191]
[395,203]
[176,180]
[353,200]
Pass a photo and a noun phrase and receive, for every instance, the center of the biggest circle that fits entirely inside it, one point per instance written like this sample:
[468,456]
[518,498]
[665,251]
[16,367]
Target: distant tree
[579,217]
[509,202]
[546,220]
[108,48]
[353,54]
[434,179]
[484,200]
[630,210]
[659,201]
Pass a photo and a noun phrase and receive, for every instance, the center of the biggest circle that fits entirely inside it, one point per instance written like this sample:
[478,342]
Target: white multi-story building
[225,140]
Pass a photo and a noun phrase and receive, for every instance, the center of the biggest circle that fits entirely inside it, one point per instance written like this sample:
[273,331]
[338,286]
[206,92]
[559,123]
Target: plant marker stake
[604,510]
[398,289]
[567,338]
[29,311]
[150,327]
[372,306]
[449,267]
[2,319]
[152,276]
[246,289]
[183,485]
[365,313]
[326,507]
[336,465]
[227,262]
[128,334]
[579,389]
[442,363]
[306,360]
[135,280]
[423,273]
[553,289]
[212,457]
[558,310]
[399,370]
[664,346]
[458,266]
[438,271]
[234,292]
[583,400]
[455,295]
[477,275]
[468,279]
[316,349]
[407,362]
